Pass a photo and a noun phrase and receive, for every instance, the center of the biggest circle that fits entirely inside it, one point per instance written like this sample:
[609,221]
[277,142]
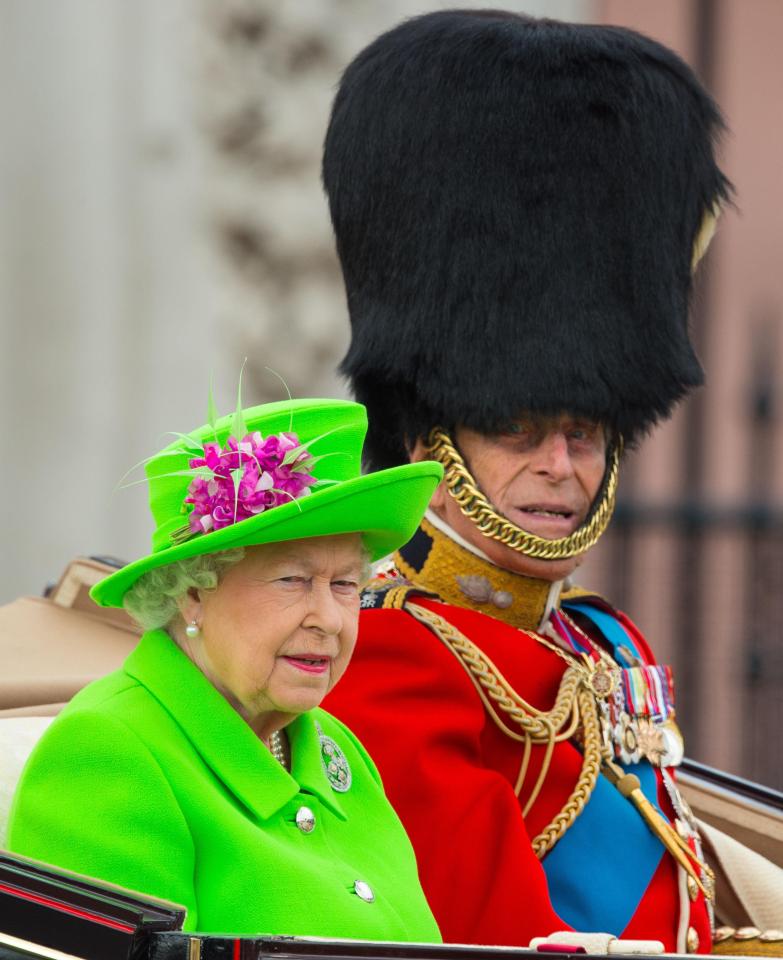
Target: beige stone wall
[162,218]
[105,332]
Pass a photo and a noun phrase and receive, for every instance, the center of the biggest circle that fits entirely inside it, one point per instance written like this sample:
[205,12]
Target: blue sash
[599,871]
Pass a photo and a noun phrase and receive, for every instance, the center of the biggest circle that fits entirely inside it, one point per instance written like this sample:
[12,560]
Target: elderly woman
[203,771]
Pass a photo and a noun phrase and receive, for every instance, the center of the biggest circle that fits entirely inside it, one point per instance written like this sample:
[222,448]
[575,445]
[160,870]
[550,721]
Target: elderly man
[518,206]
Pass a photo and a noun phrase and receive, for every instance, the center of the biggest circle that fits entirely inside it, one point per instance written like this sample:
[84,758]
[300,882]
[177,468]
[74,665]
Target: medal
[642,714]
[603,679]
[626,739]
[635,702]
[651,741]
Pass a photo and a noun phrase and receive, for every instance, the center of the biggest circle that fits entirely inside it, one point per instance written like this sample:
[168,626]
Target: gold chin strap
[475,506]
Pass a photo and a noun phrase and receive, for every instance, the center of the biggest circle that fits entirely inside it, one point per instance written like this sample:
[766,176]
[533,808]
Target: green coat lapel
[222,738]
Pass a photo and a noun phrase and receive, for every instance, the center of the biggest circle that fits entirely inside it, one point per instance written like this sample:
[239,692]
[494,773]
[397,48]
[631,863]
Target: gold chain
[574,702]
[475,506]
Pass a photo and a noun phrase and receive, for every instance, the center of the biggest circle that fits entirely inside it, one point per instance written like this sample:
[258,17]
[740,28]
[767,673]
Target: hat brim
[384,507]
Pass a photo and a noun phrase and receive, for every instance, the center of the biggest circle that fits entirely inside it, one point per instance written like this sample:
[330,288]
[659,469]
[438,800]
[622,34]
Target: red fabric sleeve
[416,711]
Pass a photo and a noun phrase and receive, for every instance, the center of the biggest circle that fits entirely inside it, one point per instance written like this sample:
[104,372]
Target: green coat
[149,779]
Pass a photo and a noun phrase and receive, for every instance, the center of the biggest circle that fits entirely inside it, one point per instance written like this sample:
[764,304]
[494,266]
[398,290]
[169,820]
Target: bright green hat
[296,473]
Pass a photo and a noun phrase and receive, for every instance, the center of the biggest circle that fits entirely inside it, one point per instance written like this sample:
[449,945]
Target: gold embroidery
[447,560]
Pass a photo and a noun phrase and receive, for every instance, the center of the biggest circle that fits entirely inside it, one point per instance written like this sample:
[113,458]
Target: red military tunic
[450,770]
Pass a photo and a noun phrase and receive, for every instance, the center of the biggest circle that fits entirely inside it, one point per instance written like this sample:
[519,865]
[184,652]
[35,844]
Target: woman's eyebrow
[291,560]
[311,564]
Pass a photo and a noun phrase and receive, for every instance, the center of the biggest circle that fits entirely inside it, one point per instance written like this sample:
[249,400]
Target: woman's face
[279,629]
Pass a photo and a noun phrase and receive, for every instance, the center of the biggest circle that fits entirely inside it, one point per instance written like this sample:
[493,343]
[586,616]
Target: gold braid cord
[574,709]
[475,506]
[575,713]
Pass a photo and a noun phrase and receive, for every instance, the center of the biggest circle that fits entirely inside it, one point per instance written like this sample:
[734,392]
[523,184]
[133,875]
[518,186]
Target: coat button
[305,819]
[363,890]
[693,888]
[692,941]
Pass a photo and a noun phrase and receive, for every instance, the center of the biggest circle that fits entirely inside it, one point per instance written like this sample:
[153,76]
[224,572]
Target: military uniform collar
[226,743]
[438,560]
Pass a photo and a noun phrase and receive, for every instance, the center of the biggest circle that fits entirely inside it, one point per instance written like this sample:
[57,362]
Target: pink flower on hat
[248,477]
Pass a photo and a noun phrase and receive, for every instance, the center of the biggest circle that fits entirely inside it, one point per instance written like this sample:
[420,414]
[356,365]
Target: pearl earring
[192,630]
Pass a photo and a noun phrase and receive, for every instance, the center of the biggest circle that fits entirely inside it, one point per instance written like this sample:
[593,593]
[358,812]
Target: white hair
[152,600]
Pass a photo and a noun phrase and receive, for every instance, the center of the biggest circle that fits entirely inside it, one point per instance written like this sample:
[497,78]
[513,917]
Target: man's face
[542,474]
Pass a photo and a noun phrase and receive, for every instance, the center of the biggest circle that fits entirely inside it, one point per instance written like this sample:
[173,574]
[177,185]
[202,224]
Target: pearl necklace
[275,745]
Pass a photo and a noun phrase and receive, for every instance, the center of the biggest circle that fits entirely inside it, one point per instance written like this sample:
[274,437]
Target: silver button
[363,890]
[305,819]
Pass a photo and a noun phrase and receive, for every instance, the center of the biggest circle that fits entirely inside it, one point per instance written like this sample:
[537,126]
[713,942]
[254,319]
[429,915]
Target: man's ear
[417,453]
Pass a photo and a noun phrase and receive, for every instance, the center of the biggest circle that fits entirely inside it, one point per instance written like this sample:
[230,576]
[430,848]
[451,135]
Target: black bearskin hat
[515,203]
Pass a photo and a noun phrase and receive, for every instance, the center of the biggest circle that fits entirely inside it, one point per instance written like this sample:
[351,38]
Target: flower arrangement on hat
[208,748]
[246,478]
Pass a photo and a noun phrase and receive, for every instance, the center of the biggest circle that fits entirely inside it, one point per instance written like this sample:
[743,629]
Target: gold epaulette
[396,597]
[390,593]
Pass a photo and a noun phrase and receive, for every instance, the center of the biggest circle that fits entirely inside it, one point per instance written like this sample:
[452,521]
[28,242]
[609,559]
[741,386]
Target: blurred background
[162,218]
